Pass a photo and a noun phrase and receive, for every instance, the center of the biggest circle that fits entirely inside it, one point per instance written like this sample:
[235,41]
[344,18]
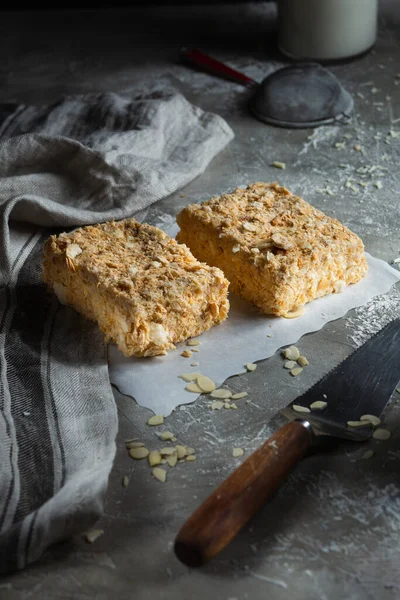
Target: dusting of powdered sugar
[370,318]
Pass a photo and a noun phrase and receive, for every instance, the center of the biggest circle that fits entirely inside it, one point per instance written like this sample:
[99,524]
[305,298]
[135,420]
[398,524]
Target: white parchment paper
[242,338]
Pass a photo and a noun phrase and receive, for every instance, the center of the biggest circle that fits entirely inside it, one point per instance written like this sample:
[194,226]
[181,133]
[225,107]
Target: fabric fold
[81,161]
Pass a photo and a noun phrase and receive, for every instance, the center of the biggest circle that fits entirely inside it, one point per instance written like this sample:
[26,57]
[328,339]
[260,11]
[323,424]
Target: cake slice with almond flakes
[276,250]
[145,291]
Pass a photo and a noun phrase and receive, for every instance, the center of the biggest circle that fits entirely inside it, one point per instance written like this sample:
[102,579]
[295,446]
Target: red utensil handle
[214,66]
[220,518]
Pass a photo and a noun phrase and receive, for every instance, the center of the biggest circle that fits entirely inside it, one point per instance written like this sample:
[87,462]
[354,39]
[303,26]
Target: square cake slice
[145,291]
[276,250]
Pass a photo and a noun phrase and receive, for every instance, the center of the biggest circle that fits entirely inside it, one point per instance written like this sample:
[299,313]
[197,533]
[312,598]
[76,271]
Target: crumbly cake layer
[276,250]
[145,291]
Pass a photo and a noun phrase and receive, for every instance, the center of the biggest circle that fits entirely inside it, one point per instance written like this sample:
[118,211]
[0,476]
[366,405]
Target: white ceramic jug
[326,29]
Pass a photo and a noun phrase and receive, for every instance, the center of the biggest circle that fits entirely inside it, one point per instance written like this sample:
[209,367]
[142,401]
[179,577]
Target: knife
[361,385]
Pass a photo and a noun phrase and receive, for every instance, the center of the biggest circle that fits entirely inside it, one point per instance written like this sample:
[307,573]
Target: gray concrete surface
[333,530]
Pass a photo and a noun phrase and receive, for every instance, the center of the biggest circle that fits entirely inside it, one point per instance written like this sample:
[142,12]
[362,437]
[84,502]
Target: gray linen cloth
[84,160]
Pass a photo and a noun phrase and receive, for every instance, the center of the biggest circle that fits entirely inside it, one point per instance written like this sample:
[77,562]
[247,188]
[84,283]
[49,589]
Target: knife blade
[362,384]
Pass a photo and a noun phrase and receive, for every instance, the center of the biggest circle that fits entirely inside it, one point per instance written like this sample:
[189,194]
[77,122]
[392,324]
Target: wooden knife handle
[220,518]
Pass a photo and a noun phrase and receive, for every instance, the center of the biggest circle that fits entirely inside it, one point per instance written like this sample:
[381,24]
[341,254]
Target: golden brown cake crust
[146,291]
[277,250]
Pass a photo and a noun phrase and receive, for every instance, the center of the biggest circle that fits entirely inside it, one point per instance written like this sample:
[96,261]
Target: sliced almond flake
[296,371]
[227,405]
[188,377]
[181,451]
[361,455]
[190,450]
[133,271]
[186,353]
[382,434]
[255,250]
[239,395]
[249,226]
[73,250]
[205,383]
[303,361]
[191,458]
[236,452]
[291,353]
[167,451]
[221,393]
[166,435]
[358,423]
[217,405]
[233,406]
[193,387]
[279,165]
[154,458]
[125,481]
[367,454]
[138,453]
[160,474]
[281,241]
[195,350]
[236,249]
[93,535]
[172,459]
[339,286]
[193,343]
[300,409]
[265,244]
[318,405]
[194,364]
[155,420]
[293,314]
[290,364]
[251,366]
[375,421]
[129,445]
